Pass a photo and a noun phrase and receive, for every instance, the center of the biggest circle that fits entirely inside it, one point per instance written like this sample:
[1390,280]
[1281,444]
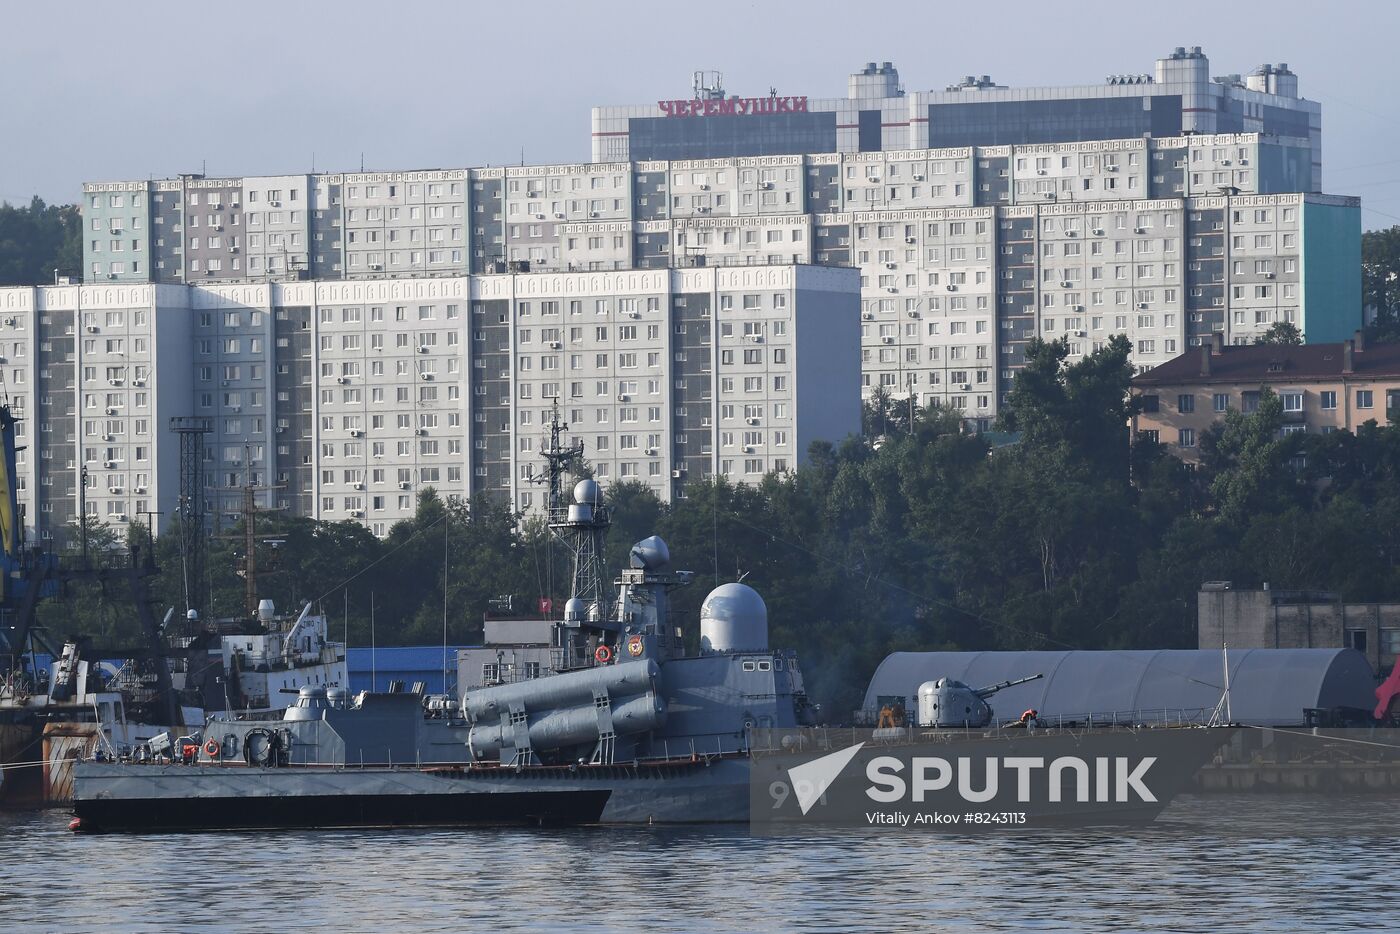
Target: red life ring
[603,654]
[212,748]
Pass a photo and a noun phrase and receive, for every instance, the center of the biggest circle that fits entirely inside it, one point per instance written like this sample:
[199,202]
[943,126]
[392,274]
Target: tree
[37,240]
[1281,334]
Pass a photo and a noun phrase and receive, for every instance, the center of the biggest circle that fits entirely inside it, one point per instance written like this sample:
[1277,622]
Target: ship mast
[581,525]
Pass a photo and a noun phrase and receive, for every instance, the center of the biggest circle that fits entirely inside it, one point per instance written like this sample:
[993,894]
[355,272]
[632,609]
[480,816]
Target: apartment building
[1179,96]
[342,399]
[1323,388]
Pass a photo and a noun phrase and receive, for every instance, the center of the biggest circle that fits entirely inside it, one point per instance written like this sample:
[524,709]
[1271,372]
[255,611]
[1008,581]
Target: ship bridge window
[749,666]
[778,664]
[764,666]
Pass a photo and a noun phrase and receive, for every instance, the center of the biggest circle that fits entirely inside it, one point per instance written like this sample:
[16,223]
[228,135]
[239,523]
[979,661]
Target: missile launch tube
[573,725]
[567,690]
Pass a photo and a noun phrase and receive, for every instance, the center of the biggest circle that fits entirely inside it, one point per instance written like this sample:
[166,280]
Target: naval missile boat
[606,714]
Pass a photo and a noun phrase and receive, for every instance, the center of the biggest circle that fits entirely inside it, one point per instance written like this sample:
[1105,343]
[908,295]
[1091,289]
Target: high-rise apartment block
[409,308]
[343,399]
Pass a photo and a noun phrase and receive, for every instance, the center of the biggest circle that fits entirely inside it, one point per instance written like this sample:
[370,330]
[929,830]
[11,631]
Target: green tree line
[1072,534]
[37,240]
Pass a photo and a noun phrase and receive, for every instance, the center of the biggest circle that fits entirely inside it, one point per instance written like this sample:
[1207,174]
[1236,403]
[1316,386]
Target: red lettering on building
[747,106]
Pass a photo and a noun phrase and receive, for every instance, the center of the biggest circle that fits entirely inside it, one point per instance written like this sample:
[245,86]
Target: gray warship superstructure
[601,714]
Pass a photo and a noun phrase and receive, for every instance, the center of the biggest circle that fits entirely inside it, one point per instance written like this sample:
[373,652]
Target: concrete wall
[1271,619]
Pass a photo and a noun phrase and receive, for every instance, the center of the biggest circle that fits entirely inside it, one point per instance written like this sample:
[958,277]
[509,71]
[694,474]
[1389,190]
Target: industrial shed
[1268,687]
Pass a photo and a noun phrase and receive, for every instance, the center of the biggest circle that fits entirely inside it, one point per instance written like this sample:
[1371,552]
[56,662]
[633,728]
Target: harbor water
[1211,863]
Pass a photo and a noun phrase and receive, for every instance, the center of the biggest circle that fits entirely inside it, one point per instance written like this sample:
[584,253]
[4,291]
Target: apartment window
[1186,437]
[1327,399]
[1364,398]
[1220,401]
[1292,401]
[1186,403]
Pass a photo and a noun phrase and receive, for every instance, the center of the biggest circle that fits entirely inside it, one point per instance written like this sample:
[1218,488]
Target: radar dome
[733,618]
[574,609]
[586,491]
[650,554]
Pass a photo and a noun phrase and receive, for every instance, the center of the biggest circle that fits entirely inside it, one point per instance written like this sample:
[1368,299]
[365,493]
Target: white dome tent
[1268,687]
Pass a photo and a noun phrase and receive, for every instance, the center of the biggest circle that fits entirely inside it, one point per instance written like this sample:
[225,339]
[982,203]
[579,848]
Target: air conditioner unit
[1098,231]
[965,387]
[404,484]
[554,345]
[274,204]
[651,451]
[355,432]
[341,379]
[874,178]
[1040,172]
[359,486]
[426,376]
[1078,333]
[753,421]
[10,322]
[892,289]
[622,397]
[420,431]
[1268,275]
[114,381]
[748,449]
[1110,167]
[114,489]
[867,316]
[677,474]
[111,411]
[1224,161]
[1244,162]
[913,314]
[1142,304]
[111,275]
[92,329]
[1066,284]
[1071,233]
[139,489]
[918,177]
[109,463]
[702,210]
[1139,230]
[889,265]
[704,187]
[539,217]
[422,348]
[559,214]
[218,226]
[767,185]
[120,517]
[281,428]
[107,438]
[138,382]
[910,239]
[952,288]
[356,513]
[592,213]
[888,340]
[233,249]
[1076,307]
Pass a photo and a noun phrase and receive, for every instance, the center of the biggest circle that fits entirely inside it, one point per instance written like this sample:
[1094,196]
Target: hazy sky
[113,90]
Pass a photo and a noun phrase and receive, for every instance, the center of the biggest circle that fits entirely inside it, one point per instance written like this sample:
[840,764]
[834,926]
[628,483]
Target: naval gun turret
[947,703]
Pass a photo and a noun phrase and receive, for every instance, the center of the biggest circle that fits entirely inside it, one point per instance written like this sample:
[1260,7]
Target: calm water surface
[1211,864]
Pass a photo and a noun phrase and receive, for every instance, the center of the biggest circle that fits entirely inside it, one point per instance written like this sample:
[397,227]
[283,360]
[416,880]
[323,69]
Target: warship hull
[116,797]
[119,797]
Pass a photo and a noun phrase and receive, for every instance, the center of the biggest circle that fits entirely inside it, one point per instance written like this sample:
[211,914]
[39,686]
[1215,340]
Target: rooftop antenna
[362,162]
